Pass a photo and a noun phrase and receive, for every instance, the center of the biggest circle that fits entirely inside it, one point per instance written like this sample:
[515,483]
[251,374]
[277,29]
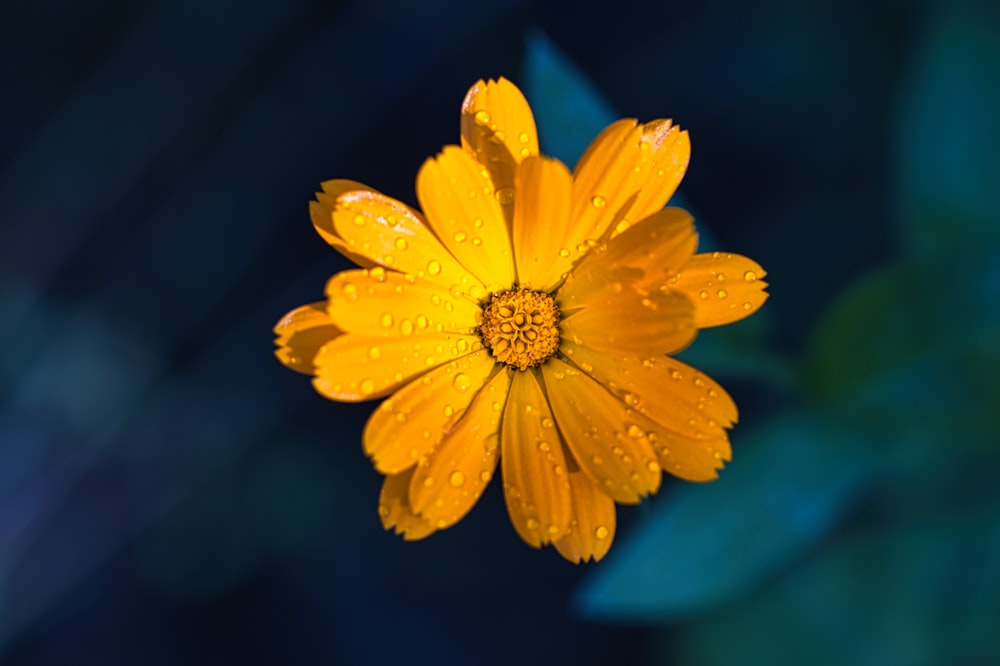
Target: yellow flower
[524,319]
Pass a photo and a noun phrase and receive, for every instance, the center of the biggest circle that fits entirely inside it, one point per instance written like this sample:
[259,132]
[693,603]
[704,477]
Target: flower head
[525,319]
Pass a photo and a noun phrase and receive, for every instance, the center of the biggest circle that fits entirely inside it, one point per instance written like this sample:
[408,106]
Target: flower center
[520,327]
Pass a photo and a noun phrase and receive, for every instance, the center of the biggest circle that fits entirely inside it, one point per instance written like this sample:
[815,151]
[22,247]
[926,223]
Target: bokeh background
[170,494]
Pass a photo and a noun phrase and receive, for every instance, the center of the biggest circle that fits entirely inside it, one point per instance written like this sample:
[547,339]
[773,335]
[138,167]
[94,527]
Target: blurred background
[169,493]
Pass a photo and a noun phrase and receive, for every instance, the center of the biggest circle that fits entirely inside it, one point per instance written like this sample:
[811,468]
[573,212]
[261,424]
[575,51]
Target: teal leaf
[569,110]
[947,136]
[918,593]
[708,545]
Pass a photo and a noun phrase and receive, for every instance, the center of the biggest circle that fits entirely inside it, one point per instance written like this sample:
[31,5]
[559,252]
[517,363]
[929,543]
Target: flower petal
[407,426]
[355,367]
[669,161]
[593,526]
[449,481]
[321,213]
[668,391]
[379,303]
[601,432]
[458,199]
[301,333]
[536,487]
[645,256]
[606,180]
[498,130]
[394,508]
[391,234]
[542,223]
[724,287]
[620,320]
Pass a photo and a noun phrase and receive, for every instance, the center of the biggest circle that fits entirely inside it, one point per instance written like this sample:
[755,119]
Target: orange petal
[498,130]
[355,367]
[391,234]
[645,255]
[407,426]
[602,434]
[690,458]
[321,213]
[542,223]
[620,320]
[668,391]
[593,526]
[724,287]
[449,481]
[301,333]
[379,303]
[606,181]
[458,199]
[670,156]
[536,487]
[394,508]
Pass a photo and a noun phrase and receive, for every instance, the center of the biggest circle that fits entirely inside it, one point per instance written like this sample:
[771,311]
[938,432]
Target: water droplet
[525,152]
[496,406]
[477,241]
[485,476]
[505,195]
[456,479]
[721,293]
[401,244]
[433,267]
[461,382]
[597,460]
[377,273]
[478,223]
[359,220]
[448,410]
[482,118]
[460,236]
[653,466]
[559,470]
[421,321]
[367,386]
[533,524]
[703,294]
[546,423]
[601,532]
[406,327]
[544,447]
[634,431]
[349,290]
[631,398]
[523,137]
[429,481]
[599,201]
[374,353]
[676,375]
[748,305]
[721,277]
[564,252]
[750,276]
[553,530]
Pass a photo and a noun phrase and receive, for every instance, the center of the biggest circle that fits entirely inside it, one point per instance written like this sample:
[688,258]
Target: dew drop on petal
[367,386]
[485,476]
[635,431]
[703,294]
[461,382]
[482,118]
[601,532]
[750,276]
[401,244]
[433,267]
[721,293]
[748,305]
[448,410]
[460,236]
[505,195]
[359,220]
[374,353]
[553,530]
[456,479]
[532,524]
[349,290]
[599,201]
[523,137]
[406,327]
[564,252]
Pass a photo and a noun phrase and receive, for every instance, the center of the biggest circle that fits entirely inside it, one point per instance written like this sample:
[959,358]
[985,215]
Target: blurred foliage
[859,526]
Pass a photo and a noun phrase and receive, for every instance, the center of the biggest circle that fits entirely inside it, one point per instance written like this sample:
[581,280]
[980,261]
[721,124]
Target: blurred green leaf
[922,593]
[708,545]
[949,137]
[568,108]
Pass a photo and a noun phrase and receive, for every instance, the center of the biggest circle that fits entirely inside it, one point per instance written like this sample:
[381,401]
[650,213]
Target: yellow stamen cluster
[520,327]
